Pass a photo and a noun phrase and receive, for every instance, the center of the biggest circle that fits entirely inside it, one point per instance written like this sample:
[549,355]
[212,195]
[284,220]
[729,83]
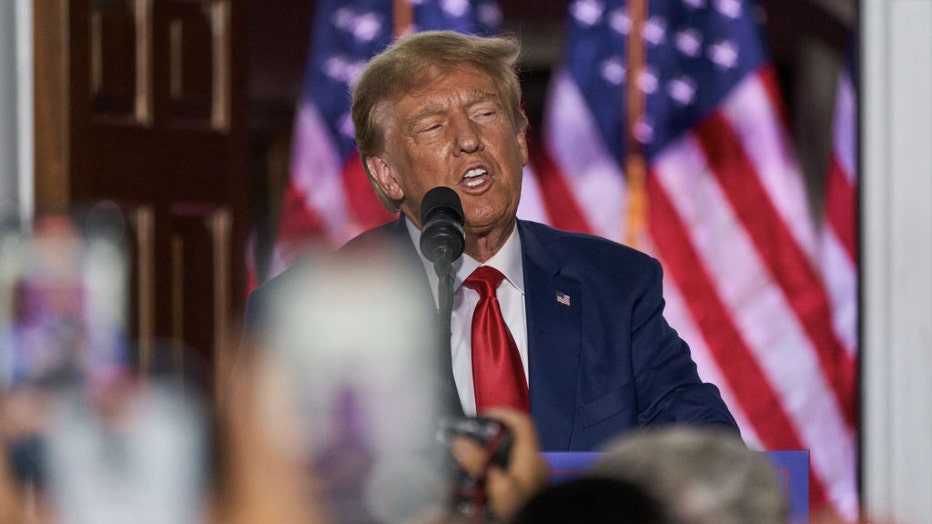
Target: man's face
[453,132]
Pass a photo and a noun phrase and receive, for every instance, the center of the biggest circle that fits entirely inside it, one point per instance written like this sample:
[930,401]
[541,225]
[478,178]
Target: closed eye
[485,114]
[428,128]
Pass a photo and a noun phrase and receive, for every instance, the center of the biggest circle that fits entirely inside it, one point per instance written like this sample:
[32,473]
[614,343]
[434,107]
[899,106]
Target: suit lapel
[553,305]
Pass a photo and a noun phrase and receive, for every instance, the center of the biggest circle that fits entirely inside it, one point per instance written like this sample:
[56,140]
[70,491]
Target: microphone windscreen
[442,225]
[438,199]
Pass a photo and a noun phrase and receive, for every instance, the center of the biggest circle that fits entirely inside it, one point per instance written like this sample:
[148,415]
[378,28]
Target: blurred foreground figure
[593,501]
[353,352]
[702,475]
[260,479]
[507,489]
[85,441]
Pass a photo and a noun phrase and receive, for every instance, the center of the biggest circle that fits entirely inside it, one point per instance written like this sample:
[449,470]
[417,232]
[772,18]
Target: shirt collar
[507,260]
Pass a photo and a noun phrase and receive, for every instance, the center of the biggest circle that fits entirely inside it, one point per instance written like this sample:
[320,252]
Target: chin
[485,224]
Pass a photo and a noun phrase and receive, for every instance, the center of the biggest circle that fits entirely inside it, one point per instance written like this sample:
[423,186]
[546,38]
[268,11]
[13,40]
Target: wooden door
[142,102]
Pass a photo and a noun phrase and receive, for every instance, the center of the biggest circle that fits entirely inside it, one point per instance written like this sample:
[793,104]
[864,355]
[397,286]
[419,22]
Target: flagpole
[635,166]
[403,17]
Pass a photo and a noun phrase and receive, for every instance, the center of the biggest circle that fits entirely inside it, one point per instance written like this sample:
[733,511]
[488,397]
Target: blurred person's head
[593,501]
[440,108]
[704,475]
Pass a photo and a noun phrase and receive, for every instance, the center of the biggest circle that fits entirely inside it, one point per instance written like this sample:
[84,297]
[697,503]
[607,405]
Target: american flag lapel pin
[563,298]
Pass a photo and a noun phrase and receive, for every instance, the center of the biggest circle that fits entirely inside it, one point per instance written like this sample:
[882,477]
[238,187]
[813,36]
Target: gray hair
[704,475]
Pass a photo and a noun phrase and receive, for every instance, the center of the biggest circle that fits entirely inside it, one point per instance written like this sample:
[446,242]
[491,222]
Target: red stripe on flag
[771,83]
[562,209]
[733,355]
[299,227]
[724,340]
[840,208]
[787,262]
[363,203]
[297,221]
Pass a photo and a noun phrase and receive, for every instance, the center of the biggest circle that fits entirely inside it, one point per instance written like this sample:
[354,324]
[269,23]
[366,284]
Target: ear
[384,177]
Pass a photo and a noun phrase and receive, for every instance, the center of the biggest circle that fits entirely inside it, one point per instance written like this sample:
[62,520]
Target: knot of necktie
[484,280]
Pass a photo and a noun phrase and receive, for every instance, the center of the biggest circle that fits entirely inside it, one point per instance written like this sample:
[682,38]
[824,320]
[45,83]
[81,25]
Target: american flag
[839,244]
[328,199]
[724,208]
[563,298]
[839,257]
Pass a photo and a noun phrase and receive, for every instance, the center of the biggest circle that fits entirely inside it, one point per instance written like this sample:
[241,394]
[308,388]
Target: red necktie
[497,373]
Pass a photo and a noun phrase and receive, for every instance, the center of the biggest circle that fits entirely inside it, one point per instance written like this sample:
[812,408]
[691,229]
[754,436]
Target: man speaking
[568,327]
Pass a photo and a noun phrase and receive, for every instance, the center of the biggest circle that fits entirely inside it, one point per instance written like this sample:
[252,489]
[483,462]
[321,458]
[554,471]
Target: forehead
[441,87]
[432,73]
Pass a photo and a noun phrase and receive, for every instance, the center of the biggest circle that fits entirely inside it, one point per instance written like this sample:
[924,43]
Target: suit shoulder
[375,238]
[590,248]
[261,297]
[258,302]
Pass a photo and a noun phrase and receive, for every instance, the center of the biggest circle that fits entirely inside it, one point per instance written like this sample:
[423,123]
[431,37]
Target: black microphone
[442,242]
[442,239]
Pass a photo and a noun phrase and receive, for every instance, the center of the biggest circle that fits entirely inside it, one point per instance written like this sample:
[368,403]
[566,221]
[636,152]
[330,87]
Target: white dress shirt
[510,295]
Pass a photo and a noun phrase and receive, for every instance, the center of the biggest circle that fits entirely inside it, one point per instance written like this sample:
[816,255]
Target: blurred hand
[263,480]
[527,473]
[12,505]
[25,413]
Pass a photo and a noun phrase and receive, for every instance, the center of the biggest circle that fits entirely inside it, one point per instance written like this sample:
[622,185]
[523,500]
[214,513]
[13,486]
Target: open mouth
[475,177]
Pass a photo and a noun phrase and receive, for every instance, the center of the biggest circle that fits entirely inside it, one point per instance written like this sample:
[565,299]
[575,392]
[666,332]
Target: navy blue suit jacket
[602,364]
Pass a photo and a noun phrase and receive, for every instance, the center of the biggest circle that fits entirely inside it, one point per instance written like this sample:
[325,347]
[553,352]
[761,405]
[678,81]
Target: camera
[468,494]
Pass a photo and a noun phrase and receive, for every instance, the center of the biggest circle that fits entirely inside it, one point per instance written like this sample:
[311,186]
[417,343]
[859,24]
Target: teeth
[475,172]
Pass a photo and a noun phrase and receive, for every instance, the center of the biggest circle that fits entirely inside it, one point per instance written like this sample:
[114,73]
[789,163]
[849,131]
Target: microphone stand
[443,267]
[442,242]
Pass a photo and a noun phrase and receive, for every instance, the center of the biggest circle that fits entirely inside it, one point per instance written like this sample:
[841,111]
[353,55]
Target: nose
[467,135]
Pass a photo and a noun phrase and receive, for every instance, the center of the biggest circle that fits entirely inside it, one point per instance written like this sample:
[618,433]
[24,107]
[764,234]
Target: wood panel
[52,109]
[121,60]
[199,62]
[142,102]
[141,247]
[200,246]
